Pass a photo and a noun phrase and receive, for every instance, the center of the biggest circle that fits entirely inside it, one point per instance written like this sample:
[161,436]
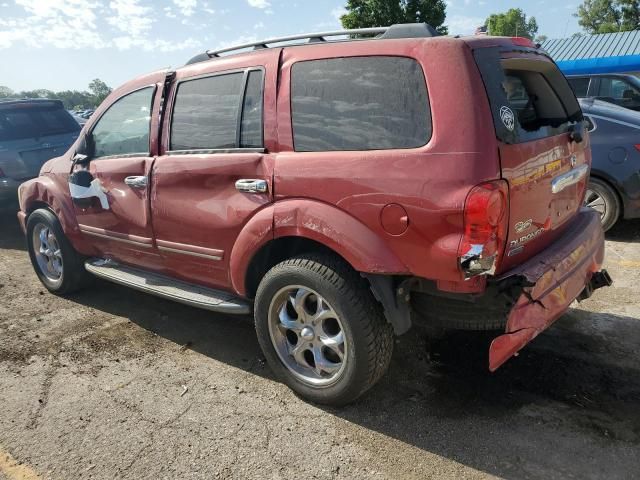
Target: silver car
[31,132]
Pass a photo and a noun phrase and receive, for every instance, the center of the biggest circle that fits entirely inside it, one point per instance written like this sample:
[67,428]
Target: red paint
[385,212]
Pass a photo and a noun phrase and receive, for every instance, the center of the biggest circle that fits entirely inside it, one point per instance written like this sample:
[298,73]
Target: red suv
[340,190]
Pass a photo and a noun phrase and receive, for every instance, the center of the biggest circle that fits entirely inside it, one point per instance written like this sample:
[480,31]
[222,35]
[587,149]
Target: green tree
[512,23]
[378,13]
[607,16]
[6,92]
[100,90]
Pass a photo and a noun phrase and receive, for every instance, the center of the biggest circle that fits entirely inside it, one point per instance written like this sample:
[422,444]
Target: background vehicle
[614,188]
[339,190]
[31,132]
[618,88]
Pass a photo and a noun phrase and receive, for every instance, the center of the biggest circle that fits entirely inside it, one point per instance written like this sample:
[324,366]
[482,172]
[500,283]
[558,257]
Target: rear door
[545,164]
[216,170]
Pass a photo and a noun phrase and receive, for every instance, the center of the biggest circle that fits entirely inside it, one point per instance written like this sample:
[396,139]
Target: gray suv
[31,132]
[619,88]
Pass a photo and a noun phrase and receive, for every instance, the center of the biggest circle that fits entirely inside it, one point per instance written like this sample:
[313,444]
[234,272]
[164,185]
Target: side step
[166,287]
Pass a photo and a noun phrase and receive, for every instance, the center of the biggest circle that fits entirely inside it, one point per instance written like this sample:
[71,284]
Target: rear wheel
[321,329]
[604,200]
[58,266]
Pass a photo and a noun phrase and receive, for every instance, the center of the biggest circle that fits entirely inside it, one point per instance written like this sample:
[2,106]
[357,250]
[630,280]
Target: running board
[166,287]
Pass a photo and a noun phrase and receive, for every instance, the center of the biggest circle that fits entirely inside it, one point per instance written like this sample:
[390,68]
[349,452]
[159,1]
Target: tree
[378,13]
[100,90]
[6,92]
[607,16]
[512,23]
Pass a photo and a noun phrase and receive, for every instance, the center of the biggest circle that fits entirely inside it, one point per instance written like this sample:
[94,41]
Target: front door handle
[252,185]
[136,182]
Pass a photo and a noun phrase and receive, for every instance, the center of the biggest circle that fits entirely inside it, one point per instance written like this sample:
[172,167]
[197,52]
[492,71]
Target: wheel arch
[615,187]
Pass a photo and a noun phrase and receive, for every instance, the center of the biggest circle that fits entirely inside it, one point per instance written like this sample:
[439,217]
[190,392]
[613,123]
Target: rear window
[530,98]
[28,120]
[580,86]
[359,103]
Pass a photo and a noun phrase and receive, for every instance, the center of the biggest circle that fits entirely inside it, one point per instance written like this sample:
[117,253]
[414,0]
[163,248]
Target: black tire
[369,335]
[612,207]
[452,314]
[73,275]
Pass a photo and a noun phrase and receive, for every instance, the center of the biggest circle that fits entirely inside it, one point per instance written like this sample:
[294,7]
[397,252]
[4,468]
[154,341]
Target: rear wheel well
[277,251]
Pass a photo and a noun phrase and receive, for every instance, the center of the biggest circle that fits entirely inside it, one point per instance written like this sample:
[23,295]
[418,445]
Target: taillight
[523,42]
[637,145]
[485,226]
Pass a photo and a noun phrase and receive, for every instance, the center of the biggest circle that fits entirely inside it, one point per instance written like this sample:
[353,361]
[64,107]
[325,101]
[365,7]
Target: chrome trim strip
[118,237]
[211,151]
[185,252]
[572,177]
[109,237]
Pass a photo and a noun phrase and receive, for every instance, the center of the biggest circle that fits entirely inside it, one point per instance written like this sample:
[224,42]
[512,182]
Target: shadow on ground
[11,237]
[625,231]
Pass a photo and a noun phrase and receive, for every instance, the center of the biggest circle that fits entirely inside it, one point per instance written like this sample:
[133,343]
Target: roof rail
[405,30]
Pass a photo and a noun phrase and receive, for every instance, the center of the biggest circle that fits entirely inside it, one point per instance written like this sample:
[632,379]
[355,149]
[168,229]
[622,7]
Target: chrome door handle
[136,182]
[248,185]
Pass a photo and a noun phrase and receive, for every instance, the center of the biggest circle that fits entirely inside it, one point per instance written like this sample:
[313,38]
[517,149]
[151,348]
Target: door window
[359,103]
[218,112]
[124,128]
[619,91]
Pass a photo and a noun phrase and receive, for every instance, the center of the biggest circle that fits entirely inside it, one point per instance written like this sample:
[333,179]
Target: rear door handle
[250,185]
[136,182]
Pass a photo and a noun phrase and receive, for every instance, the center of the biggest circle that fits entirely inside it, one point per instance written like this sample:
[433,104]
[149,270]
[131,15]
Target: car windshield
[28,120]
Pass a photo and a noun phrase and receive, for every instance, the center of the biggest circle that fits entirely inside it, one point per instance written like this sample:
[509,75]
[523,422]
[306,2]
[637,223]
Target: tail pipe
[598,280]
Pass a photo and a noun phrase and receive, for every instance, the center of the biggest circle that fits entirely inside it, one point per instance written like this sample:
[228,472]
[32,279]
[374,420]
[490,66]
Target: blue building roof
[602,53]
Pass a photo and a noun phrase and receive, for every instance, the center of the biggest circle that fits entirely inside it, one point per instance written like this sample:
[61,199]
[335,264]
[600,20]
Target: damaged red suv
[339,190]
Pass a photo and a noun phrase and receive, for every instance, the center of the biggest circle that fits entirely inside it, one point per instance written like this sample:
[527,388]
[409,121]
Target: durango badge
[508,118]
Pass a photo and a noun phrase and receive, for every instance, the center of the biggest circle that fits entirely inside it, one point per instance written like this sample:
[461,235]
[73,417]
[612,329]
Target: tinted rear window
[359,103]
[34,121]
[529,96]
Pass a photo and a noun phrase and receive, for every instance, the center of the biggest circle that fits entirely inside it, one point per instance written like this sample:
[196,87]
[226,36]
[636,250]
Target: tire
[61,270]
[322,283]
[451,314]
[602,197]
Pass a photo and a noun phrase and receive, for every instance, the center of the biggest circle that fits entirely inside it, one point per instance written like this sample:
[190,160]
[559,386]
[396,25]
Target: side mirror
[85,150]
[576,134]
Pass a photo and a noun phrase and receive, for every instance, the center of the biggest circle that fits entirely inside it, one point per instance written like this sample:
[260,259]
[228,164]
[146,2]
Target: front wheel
[321,329]
[58,266]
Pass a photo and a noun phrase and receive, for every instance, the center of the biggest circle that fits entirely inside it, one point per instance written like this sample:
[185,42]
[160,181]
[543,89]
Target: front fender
[334,228]
[49,190]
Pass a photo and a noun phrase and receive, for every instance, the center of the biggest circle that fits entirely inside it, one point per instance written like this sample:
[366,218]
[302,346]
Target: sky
[64,44]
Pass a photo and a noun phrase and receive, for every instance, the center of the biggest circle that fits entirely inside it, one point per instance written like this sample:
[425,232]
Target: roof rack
[404,30]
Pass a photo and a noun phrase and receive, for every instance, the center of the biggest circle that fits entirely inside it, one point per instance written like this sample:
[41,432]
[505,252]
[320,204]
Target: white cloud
[461,24]
[186,7]
[130,17]
[259,3]
[258,26]
[338,12]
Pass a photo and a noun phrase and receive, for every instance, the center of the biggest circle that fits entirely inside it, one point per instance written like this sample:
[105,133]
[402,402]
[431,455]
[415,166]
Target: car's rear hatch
[542,144]
[32,132]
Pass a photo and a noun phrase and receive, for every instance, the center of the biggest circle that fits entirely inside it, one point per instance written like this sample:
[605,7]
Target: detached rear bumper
[553,280]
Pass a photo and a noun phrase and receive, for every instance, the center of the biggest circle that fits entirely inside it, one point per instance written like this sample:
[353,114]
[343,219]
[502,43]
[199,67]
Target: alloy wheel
[47,252]
[594,200]
[308,335]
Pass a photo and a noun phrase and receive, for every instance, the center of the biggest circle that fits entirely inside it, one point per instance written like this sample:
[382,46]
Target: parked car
[31,132]
[618,88]
[614,186]
[340,191]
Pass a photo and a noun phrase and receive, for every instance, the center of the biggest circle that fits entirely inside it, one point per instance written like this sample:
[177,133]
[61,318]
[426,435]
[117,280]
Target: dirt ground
[92,386]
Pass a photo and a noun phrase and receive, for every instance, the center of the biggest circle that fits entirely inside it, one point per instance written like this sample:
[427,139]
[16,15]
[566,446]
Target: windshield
[27,120]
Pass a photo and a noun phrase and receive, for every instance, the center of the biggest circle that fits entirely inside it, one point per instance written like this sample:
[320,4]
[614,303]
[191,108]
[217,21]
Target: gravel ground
[92,386]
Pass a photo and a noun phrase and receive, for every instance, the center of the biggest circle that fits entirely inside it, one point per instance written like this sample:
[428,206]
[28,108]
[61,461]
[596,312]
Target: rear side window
[218,112]
[359,103]
[35,120]
[580,86]
[124,128]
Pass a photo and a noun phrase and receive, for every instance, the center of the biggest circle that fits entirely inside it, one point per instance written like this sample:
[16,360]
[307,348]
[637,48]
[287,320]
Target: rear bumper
[552,281]
[9,191]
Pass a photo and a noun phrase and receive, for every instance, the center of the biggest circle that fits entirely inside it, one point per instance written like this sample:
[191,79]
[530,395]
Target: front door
[216,171]
[121,161]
